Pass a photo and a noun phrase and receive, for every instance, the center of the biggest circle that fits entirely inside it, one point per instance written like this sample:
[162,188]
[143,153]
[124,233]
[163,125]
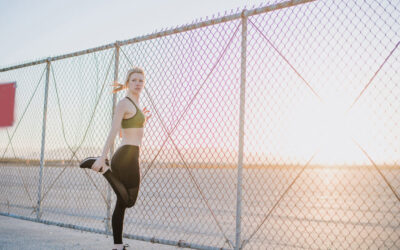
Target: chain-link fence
[275,127]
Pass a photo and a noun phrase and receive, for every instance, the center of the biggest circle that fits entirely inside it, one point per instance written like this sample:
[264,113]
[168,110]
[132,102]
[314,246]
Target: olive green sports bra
[136,121]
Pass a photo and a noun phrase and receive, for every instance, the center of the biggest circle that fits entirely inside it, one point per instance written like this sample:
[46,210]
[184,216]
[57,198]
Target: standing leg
[117,220]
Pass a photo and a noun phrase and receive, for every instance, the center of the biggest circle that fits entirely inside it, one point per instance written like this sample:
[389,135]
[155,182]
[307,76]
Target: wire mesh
[184,171]
[321,129]
[20,155]
[322,171]
[79,111]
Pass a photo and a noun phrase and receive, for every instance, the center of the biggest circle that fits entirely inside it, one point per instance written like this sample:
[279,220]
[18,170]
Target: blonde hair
[119,86]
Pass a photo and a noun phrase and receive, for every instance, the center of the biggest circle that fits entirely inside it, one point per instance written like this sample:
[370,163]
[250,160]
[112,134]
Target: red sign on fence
[7,102]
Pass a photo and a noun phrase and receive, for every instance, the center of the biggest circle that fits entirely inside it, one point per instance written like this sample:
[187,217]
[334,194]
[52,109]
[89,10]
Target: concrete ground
[22,234]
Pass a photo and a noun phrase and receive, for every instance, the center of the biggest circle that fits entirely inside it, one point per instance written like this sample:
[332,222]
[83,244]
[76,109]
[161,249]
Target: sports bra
[136,121]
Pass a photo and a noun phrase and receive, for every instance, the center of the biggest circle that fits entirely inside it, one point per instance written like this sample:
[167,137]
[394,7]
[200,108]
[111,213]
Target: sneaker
[88,162]
[125,246]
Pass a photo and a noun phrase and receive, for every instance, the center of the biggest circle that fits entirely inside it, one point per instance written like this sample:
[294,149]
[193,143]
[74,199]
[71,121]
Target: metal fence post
[39,200]
[241,129]
[116,68]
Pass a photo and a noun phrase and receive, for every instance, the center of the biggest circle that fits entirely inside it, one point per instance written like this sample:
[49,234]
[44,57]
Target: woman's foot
[88,163]
[120,247]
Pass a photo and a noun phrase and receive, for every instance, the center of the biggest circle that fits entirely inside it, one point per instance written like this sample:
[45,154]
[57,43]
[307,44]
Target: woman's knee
[133,194]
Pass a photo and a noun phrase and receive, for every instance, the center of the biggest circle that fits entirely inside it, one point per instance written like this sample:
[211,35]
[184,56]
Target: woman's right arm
[115,126]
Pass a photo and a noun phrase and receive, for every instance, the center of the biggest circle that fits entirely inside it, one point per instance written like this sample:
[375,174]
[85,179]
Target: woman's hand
[98,164]
[146,111]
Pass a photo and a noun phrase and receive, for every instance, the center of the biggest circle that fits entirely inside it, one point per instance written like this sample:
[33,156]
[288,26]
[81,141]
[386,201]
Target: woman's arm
[115,127]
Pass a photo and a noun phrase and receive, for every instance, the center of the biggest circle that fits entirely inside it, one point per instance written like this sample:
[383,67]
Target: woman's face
[136,83]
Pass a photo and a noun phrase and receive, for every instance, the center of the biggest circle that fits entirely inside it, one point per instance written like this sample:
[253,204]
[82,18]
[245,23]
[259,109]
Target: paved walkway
[23,234]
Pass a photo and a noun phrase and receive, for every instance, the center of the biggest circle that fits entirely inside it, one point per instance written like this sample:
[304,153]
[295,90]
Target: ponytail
[118,87]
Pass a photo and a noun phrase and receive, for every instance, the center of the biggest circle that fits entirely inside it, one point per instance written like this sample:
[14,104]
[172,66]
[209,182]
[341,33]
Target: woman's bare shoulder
[121,101]
[122,104]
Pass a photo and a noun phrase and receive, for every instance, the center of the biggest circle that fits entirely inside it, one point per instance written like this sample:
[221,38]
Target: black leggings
[124,179]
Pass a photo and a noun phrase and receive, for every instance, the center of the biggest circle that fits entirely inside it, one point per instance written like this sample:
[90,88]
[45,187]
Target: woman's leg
[126,195]
[124,176]
[118,220]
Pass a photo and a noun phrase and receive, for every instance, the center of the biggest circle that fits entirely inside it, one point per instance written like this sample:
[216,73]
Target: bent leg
[124,176]
[127,195]
[118,187]
[133,194]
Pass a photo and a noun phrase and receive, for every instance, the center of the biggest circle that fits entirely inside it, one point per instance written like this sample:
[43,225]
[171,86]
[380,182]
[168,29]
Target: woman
[124,174]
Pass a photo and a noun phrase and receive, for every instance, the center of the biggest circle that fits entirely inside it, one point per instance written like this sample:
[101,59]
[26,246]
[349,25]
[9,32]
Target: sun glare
[328,130]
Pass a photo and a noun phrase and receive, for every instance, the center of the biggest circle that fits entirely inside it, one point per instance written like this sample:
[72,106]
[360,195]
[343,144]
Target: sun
[328,130]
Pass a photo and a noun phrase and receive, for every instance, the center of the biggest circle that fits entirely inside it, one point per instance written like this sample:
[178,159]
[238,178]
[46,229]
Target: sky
[32,30]
[335,47]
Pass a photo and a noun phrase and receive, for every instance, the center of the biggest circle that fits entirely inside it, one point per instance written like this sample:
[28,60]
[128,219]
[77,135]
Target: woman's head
[134,81]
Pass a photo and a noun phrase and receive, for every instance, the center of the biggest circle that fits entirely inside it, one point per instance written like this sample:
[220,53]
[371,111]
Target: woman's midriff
[132,136]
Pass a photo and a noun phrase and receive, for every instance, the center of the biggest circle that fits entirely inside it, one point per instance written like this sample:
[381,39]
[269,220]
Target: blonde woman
[124,174]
